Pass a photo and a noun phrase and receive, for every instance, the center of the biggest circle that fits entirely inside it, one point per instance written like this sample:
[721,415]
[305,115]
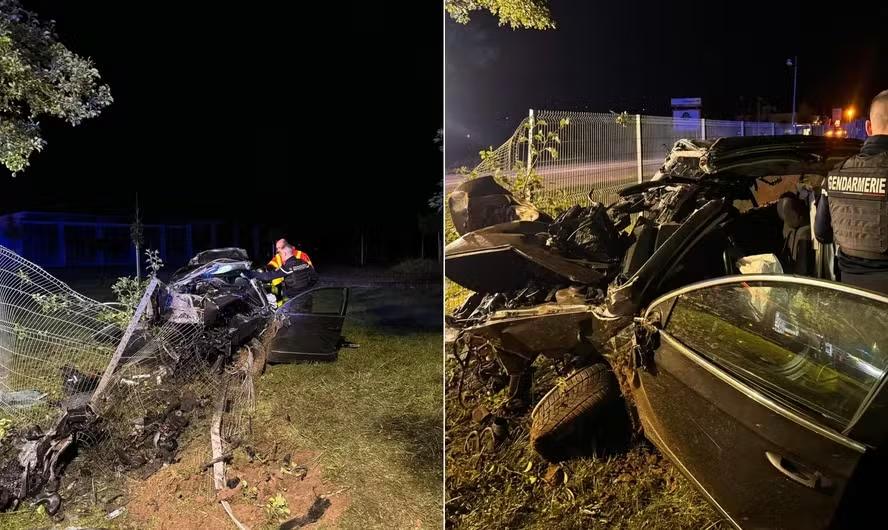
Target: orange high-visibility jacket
[277,260]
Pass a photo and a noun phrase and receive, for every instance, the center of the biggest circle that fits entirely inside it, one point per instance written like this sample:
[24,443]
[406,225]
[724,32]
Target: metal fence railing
[593,149]
[604,152]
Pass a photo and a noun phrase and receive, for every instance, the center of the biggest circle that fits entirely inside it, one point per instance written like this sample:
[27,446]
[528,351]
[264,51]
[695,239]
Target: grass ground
[374,415]
[371,421]
[510,486]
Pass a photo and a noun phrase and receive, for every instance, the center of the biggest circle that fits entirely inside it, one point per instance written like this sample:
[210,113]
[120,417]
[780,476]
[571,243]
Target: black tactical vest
[858,205]
[299,276]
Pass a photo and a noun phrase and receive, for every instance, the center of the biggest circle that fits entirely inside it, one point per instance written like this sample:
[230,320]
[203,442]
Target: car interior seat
[797,254]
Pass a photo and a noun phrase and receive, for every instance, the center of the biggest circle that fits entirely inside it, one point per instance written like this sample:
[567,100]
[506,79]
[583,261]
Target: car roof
[756,156]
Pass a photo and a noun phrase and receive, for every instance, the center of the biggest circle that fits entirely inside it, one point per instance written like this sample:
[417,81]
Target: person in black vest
[853,208]
[296,273]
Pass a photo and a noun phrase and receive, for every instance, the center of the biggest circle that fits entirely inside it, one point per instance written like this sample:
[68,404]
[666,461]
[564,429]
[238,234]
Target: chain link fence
[597,154]
[73,372]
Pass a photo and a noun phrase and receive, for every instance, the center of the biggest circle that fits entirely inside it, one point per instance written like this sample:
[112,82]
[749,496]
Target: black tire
[561,418]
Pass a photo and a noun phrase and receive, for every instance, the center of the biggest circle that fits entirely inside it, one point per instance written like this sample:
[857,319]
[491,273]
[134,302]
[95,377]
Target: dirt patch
[181,495]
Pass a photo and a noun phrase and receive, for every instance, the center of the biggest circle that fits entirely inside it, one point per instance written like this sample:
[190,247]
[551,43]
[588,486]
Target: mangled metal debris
[72,381]
[691,334]
[483,202]
[556,287]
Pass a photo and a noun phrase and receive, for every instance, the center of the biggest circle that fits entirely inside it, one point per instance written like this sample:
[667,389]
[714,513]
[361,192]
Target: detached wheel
[561,419]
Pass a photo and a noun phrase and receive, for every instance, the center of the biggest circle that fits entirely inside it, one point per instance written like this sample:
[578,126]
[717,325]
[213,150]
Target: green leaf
[517,14]
[41,79]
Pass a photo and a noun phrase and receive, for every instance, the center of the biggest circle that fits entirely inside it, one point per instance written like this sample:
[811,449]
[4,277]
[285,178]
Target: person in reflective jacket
[297,275]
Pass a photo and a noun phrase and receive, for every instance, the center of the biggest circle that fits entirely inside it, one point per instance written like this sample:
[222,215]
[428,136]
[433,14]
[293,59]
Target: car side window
[323,301]
[814,348]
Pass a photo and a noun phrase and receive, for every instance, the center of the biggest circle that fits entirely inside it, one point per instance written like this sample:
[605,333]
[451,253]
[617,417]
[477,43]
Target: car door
[753,384]
[311,326]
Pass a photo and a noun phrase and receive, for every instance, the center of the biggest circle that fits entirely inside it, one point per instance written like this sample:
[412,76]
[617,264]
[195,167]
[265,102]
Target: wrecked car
[700,299]
[309,324]
[77,375]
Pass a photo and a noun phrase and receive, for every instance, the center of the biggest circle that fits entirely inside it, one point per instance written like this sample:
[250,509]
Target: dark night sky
[318,118]
[635,55]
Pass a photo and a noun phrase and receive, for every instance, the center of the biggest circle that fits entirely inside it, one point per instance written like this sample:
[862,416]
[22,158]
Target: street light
[794,62]
[850,113]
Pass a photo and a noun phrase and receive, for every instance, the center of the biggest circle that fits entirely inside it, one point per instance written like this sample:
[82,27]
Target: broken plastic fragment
[21,399]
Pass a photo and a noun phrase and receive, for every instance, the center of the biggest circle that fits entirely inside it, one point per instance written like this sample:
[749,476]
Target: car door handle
[798,473]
